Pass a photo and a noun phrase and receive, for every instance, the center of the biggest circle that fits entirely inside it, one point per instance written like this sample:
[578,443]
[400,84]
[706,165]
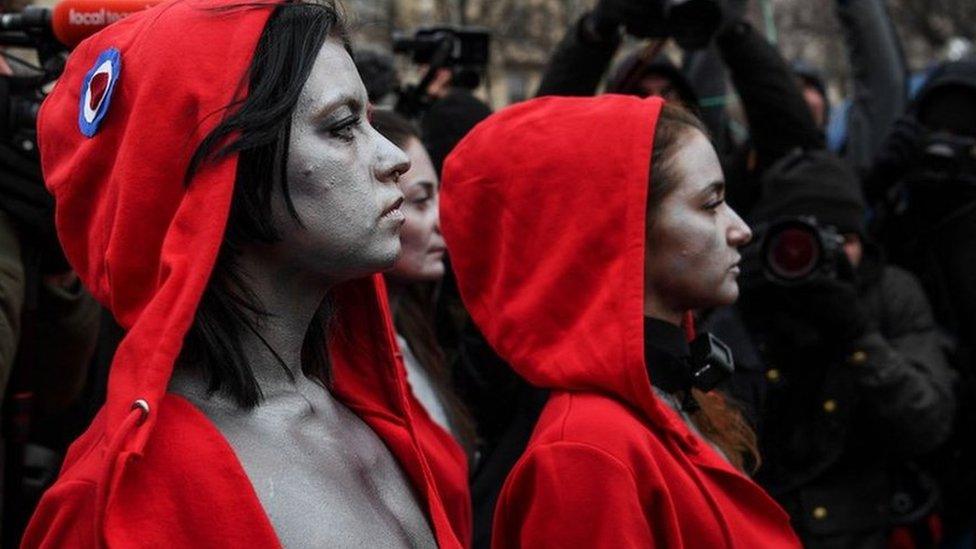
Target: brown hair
[718,417]
[414,317]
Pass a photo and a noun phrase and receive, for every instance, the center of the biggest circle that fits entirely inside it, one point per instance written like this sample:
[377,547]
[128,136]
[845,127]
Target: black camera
[948,157]
[693,22]
[465,47]
[793,250]
[463,50]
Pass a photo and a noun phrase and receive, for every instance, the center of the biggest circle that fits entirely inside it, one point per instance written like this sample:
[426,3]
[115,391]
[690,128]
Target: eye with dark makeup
[344,128]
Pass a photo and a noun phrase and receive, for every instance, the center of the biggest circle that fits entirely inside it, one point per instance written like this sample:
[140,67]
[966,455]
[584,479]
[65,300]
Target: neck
[654,308]
[394,291]
[290,298]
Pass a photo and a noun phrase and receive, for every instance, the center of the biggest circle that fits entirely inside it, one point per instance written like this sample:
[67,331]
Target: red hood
[145,243]
[543,208]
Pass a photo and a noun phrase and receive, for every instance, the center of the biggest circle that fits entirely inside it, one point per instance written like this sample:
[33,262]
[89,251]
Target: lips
[393,210]
[735,266]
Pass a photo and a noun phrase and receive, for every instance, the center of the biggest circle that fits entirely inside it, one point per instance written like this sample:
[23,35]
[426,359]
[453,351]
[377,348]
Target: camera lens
[793,253]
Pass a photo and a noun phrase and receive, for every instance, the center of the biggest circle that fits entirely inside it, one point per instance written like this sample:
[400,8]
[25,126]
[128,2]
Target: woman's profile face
[341,176]
[422,246]
[694,236]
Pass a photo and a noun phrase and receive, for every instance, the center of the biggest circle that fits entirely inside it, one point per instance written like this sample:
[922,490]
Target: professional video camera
[793,250]
[949,158]
[463,50]
[21,92]
[692,22]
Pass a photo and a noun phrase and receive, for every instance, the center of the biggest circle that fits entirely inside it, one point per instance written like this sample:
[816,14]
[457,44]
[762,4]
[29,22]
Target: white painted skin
[322,475]
[421,243]
[693,238]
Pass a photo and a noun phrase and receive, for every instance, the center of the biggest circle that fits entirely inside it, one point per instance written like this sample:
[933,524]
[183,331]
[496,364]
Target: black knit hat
[812,183]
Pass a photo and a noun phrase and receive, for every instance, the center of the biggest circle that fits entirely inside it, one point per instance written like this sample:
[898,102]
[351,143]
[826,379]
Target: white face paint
[341,178]
[422,255]
[692,244]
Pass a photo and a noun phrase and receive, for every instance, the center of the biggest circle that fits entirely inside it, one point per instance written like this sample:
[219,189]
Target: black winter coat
[834,429]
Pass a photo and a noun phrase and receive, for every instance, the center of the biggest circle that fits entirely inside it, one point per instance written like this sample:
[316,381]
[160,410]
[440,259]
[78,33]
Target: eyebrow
[427,184]
[354,104]
[717,187]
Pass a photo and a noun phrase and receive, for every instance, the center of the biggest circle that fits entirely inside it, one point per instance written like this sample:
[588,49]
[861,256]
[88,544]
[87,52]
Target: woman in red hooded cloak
[582,231]
[220,189]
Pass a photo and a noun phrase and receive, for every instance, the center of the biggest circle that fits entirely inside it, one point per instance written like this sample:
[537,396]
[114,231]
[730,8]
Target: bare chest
[322,475]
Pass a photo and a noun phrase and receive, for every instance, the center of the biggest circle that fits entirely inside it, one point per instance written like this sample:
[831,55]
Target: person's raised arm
[880,89]
[584,54]
[779,119]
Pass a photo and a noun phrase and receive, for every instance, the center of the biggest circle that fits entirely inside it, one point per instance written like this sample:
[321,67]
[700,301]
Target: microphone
[74,20]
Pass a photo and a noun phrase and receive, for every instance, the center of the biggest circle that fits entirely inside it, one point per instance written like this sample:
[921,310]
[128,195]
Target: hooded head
[153,128]
[813,183]
[544,209]
[947,102]
[141,212]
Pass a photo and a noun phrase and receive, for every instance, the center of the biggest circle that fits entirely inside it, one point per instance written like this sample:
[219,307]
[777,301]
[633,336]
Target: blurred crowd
[854,337]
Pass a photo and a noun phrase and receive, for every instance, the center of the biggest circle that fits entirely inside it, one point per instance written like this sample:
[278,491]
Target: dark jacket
[833,428]
[926,216]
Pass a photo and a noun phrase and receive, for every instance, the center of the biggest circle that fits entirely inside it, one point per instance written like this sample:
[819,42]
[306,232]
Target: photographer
[841,358]
[923,187]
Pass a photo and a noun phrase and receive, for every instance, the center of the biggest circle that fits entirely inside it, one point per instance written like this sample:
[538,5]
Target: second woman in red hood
[580,269]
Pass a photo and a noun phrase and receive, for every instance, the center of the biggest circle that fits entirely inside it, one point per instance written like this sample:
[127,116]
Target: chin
[729,295]
[435,272]
[386,257]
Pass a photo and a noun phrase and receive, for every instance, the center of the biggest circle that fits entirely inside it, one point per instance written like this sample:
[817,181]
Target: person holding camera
[923,189]
[579,253]
[840,357]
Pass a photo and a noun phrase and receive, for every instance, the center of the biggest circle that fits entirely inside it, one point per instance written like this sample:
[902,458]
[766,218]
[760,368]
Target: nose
[739,234]
[437,213]
[391,162]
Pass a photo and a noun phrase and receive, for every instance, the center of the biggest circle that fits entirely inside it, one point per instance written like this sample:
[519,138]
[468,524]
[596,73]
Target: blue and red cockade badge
[96,90]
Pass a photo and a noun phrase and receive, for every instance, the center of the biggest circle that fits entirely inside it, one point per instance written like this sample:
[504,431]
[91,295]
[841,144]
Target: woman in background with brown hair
[411,282]
[410,286]
[580,271]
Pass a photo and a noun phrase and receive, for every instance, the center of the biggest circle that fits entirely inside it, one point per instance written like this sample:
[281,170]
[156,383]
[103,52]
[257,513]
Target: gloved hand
[640,18]
[831,306]
[899,154]
[825,305]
